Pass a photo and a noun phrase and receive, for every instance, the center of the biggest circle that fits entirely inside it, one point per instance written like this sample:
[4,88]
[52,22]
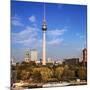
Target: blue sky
[66,29]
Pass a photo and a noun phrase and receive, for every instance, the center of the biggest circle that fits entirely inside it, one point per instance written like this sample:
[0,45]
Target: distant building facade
[58,62]
[49,60]
[31,55]
[84,55]
[27,56]
[12,62]
[34,55]
[71,61]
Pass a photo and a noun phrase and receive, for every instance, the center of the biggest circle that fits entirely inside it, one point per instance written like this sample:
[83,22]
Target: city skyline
[66,33]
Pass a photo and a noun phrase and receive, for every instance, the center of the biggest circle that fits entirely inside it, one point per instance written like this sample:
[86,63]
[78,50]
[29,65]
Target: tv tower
[44,28]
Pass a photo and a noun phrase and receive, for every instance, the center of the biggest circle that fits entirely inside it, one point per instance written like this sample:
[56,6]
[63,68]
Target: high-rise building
[44,28]
[84,55]
[27,56]
[34,55]
[71,61]
[31,55]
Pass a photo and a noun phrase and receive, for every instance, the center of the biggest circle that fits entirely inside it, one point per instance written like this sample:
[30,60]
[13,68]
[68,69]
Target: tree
[44,73]
[24,75]
[36,76]
[59,72]
[82,73]
[68,73]
[18,74]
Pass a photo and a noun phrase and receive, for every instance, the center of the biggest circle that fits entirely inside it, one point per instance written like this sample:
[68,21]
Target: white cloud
[31,37]
[57,32]
[16,21]
[55,41]
[32,18]
[80,36]
[27,42]
[55,36]
[26,37]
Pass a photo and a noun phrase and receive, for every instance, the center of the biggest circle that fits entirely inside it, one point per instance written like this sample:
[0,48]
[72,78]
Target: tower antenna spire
[44,12]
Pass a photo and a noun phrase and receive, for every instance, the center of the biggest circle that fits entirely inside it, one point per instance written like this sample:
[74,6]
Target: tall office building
[27,56]
[44,28]
[84,55]
[31,55]
[34,55]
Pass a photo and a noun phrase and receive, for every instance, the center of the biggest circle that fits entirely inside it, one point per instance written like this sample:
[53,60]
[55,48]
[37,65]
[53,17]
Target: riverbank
[47,85]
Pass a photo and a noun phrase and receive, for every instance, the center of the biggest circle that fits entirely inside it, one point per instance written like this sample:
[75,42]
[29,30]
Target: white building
[59,61]
[33,55]
[13,62]
[27,56]
[50,60]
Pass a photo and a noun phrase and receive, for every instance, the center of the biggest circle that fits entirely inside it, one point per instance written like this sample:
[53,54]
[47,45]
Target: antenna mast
[44,12]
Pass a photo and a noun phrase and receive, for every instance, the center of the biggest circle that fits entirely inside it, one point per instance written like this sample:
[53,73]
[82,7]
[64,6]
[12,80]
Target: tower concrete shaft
[44,28]
[44,48]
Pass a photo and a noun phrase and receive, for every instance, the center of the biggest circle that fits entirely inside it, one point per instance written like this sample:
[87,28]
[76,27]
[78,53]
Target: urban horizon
[65,37]
[55,33]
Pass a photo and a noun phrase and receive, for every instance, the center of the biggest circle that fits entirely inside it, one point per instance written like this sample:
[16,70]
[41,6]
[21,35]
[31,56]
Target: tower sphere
[44,27]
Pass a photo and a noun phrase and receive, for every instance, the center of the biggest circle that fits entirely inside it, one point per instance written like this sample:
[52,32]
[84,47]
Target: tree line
[38,73]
